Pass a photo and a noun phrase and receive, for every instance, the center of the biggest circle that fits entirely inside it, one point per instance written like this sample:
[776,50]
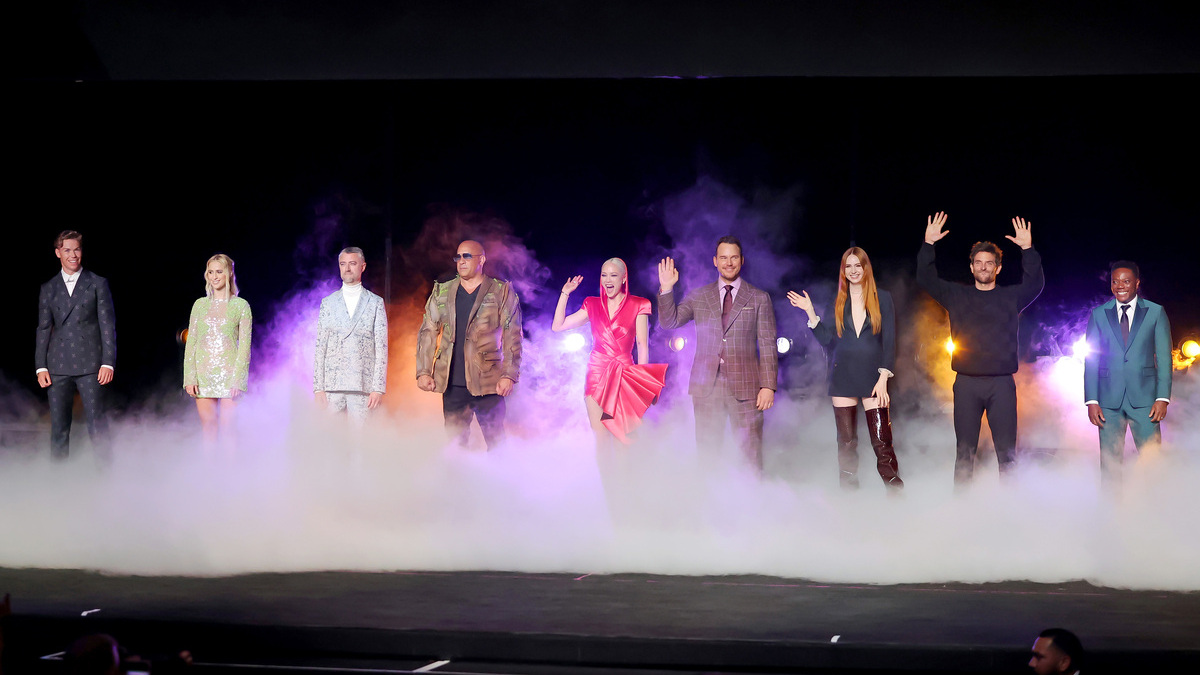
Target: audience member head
[1057,650]
[93,655]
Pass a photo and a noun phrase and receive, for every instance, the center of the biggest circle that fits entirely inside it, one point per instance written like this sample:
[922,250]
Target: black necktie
[726,306]
[1125,323]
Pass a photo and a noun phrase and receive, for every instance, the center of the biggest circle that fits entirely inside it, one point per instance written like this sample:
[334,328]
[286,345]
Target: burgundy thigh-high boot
[879,427]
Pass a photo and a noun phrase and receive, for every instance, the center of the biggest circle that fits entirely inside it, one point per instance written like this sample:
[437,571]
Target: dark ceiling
[455,39]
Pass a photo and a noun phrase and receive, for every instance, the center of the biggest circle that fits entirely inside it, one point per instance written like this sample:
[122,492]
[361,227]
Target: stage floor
[526,623]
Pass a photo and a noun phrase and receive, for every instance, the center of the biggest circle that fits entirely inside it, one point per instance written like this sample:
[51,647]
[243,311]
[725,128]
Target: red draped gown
[623,390]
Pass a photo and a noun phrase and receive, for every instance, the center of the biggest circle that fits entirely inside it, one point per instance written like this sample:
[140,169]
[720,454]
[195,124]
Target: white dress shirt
[70,280]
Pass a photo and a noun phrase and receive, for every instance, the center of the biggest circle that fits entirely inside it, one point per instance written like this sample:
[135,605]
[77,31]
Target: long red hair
[870,292]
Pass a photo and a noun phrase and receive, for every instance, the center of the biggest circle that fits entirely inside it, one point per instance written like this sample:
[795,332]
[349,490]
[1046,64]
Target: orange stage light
[1190,349]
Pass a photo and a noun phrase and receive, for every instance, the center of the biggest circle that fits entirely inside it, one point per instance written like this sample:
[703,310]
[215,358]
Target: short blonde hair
[228,263]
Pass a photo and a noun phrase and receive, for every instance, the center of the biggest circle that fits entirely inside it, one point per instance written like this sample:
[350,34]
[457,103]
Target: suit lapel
[81,285]
[1114,323]
[712,295]
[1138,314]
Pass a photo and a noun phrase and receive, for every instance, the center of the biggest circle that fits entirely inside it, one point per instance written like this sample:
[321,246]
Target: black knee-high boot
[847,439]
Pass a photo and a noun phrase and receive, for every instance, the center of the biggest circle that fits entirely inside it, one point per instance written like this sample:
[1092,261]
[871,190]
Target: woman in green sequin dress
[216,358]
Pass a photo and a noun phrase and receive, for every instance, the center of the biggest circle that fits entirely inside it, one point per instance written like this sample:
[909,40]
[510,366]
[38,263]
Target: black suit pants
[62,398]
[975,395]
[458,406]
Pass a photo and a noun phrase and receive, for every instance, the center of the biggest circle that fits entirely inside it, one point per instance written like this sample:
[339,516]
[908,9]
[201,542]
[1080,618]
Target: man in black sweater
[983,326]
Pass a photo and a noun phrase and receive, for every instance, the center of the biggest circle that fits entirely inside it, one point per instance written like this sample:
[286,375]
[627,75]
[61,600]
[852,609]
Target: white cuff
[887,372]
[812,323]
[1091,402]
[1163,399]
[104,365]
[41,370]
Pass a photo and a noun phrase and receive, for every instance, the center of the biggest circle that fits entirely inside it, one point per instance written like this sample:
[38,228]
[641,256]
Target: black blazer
[76,333]
[856,359]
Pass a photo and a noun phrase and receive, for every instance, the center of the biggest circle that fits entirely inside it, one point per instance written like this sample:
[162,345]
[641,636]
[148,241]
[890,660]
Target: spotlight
[573,342]
[950,346]
[181,337]
[677,343]
[783,344]
[1186,355]
[1080,348]
[1190,349]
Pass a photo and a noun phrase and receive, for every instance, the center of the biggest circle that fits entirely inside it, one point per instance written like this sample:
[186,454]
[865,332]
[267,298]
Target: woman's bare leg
[604,437]
[207,408]
[227,419]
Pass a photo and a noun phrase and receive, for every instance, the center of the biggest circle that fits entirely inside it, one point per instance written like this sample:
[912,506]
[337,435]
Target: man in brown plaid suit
[736,365]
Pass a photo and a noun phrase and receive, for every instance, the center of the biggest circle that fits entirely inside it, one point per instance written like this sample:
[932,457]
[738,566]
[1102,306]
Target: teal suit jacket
[1140,370]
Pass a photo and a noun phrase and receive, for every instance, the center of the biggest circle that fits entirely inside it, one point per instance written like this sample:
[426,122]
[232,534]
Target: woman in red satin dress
[617,392]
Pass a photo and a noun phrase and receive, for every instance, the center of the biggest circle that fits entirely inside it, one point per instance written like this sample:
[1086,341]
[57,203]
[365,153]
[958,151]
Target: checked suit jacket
[352,351]
[1140,370]
[76,333]
[751,359]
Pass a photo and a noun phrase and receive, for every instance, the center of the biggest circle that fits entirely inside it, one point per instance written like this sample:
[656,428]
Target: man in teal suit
[1127,373]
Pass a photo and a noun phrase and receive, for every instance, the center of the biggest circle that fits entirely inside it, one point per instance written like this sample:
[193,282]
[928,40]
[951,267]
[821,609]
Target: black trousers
[975,395]
[61,394]
[458,405]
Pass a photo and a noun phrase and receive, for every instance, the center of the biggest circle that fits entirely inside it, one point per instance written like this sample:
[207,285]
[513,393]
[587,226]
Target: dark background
[166,135]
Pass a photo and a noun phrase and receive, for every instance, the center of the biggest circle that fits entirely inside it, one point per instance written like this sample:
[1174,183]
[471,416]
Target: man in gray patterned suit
[736,365]
[76,346]
[352,343]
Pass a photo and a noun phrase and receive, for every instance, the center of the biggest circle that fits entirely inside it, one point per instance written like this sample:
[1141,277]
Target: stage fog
[301,491]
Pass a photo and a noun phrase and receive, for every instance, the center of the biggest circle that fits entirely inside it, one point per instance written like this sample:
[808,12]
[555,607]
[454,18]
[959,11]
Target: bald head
[468,260]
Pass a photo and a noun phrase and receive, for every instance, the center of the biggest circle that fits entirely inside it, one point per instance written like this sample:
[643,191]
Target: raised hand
[572,284]
[933,227]
[1023,238]
[668,276]
[800,301]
